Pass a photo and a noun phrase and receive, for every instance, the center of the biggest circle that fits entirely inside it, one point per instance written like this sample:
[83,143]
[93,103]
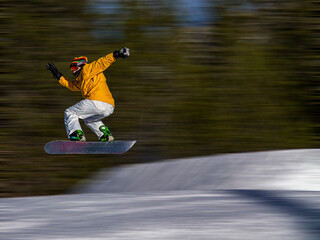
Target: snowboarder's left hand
[123,53]
[56,74]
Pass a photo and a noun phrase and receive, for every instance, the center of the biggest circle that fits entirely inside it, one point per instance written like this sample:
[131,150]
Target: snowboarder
[98,102]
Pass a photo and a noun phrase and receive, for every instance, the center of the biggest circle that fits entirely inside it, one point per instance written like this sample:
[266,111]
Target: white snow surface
[263,195]
[270,170]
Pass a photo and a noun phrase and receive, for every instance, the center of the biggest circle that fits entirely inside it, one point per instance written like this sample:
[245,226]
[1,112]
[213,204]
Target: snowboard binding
[77,136]
[107,136]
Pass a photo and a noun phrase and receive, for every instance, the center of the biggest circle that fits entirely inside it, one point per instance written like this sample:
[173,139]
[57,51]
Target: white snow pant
[91,111]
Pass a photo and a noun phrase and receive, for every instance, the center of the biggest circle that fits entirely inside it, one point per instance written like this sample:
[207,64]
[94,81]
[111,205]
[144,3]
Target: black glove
[56,74]
[123,53]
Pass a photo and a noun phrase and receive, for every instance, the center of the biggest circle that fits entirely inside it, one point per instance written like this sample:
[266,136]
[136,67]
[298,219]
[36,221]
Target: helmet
[77,62]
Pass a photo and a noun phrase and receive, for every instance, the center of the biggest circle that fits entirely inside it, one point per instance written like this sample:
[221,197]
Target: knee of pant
[106,114]
[68,112]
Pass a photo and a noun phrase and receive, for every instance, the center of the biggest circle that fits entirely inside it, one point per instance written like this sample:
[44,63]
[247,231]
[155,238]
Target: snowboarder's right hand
[56,74]
[123,53]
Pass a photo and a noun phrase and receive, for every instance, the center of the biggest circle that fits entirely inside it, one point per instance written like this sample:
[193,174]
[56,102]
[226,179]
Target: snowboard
[75,147]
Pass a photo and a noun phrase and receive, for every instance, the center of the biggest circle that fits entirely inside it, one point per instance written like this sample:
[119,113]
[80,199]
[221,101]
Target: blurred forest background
[204,77]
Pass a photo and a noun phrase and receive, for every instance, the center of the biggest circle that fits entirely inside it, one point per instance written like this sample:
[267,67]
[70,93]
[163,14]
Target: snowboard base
[75,147]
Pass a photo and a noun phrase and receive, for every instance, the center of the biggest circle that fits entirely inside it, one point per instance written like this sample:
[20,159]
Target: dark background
[204,77]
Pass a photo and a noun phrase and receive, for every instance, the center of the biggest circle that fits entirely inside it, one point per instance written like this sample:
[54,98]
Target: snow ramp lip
[268,170]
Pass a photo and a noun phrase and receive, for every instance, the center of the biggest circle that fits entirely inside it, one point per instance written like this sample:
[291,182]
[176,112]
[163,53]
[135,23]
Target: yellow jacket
[91,80]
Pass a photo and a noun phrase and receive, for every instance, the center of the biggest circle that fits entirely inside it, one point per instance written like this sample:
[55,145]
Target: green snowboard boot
[77,136]
[107,136]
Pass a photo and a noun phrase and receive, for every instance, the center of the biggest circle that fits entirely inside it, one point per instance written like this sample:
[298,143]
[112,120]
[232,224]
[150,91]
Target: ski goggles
[73,66]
